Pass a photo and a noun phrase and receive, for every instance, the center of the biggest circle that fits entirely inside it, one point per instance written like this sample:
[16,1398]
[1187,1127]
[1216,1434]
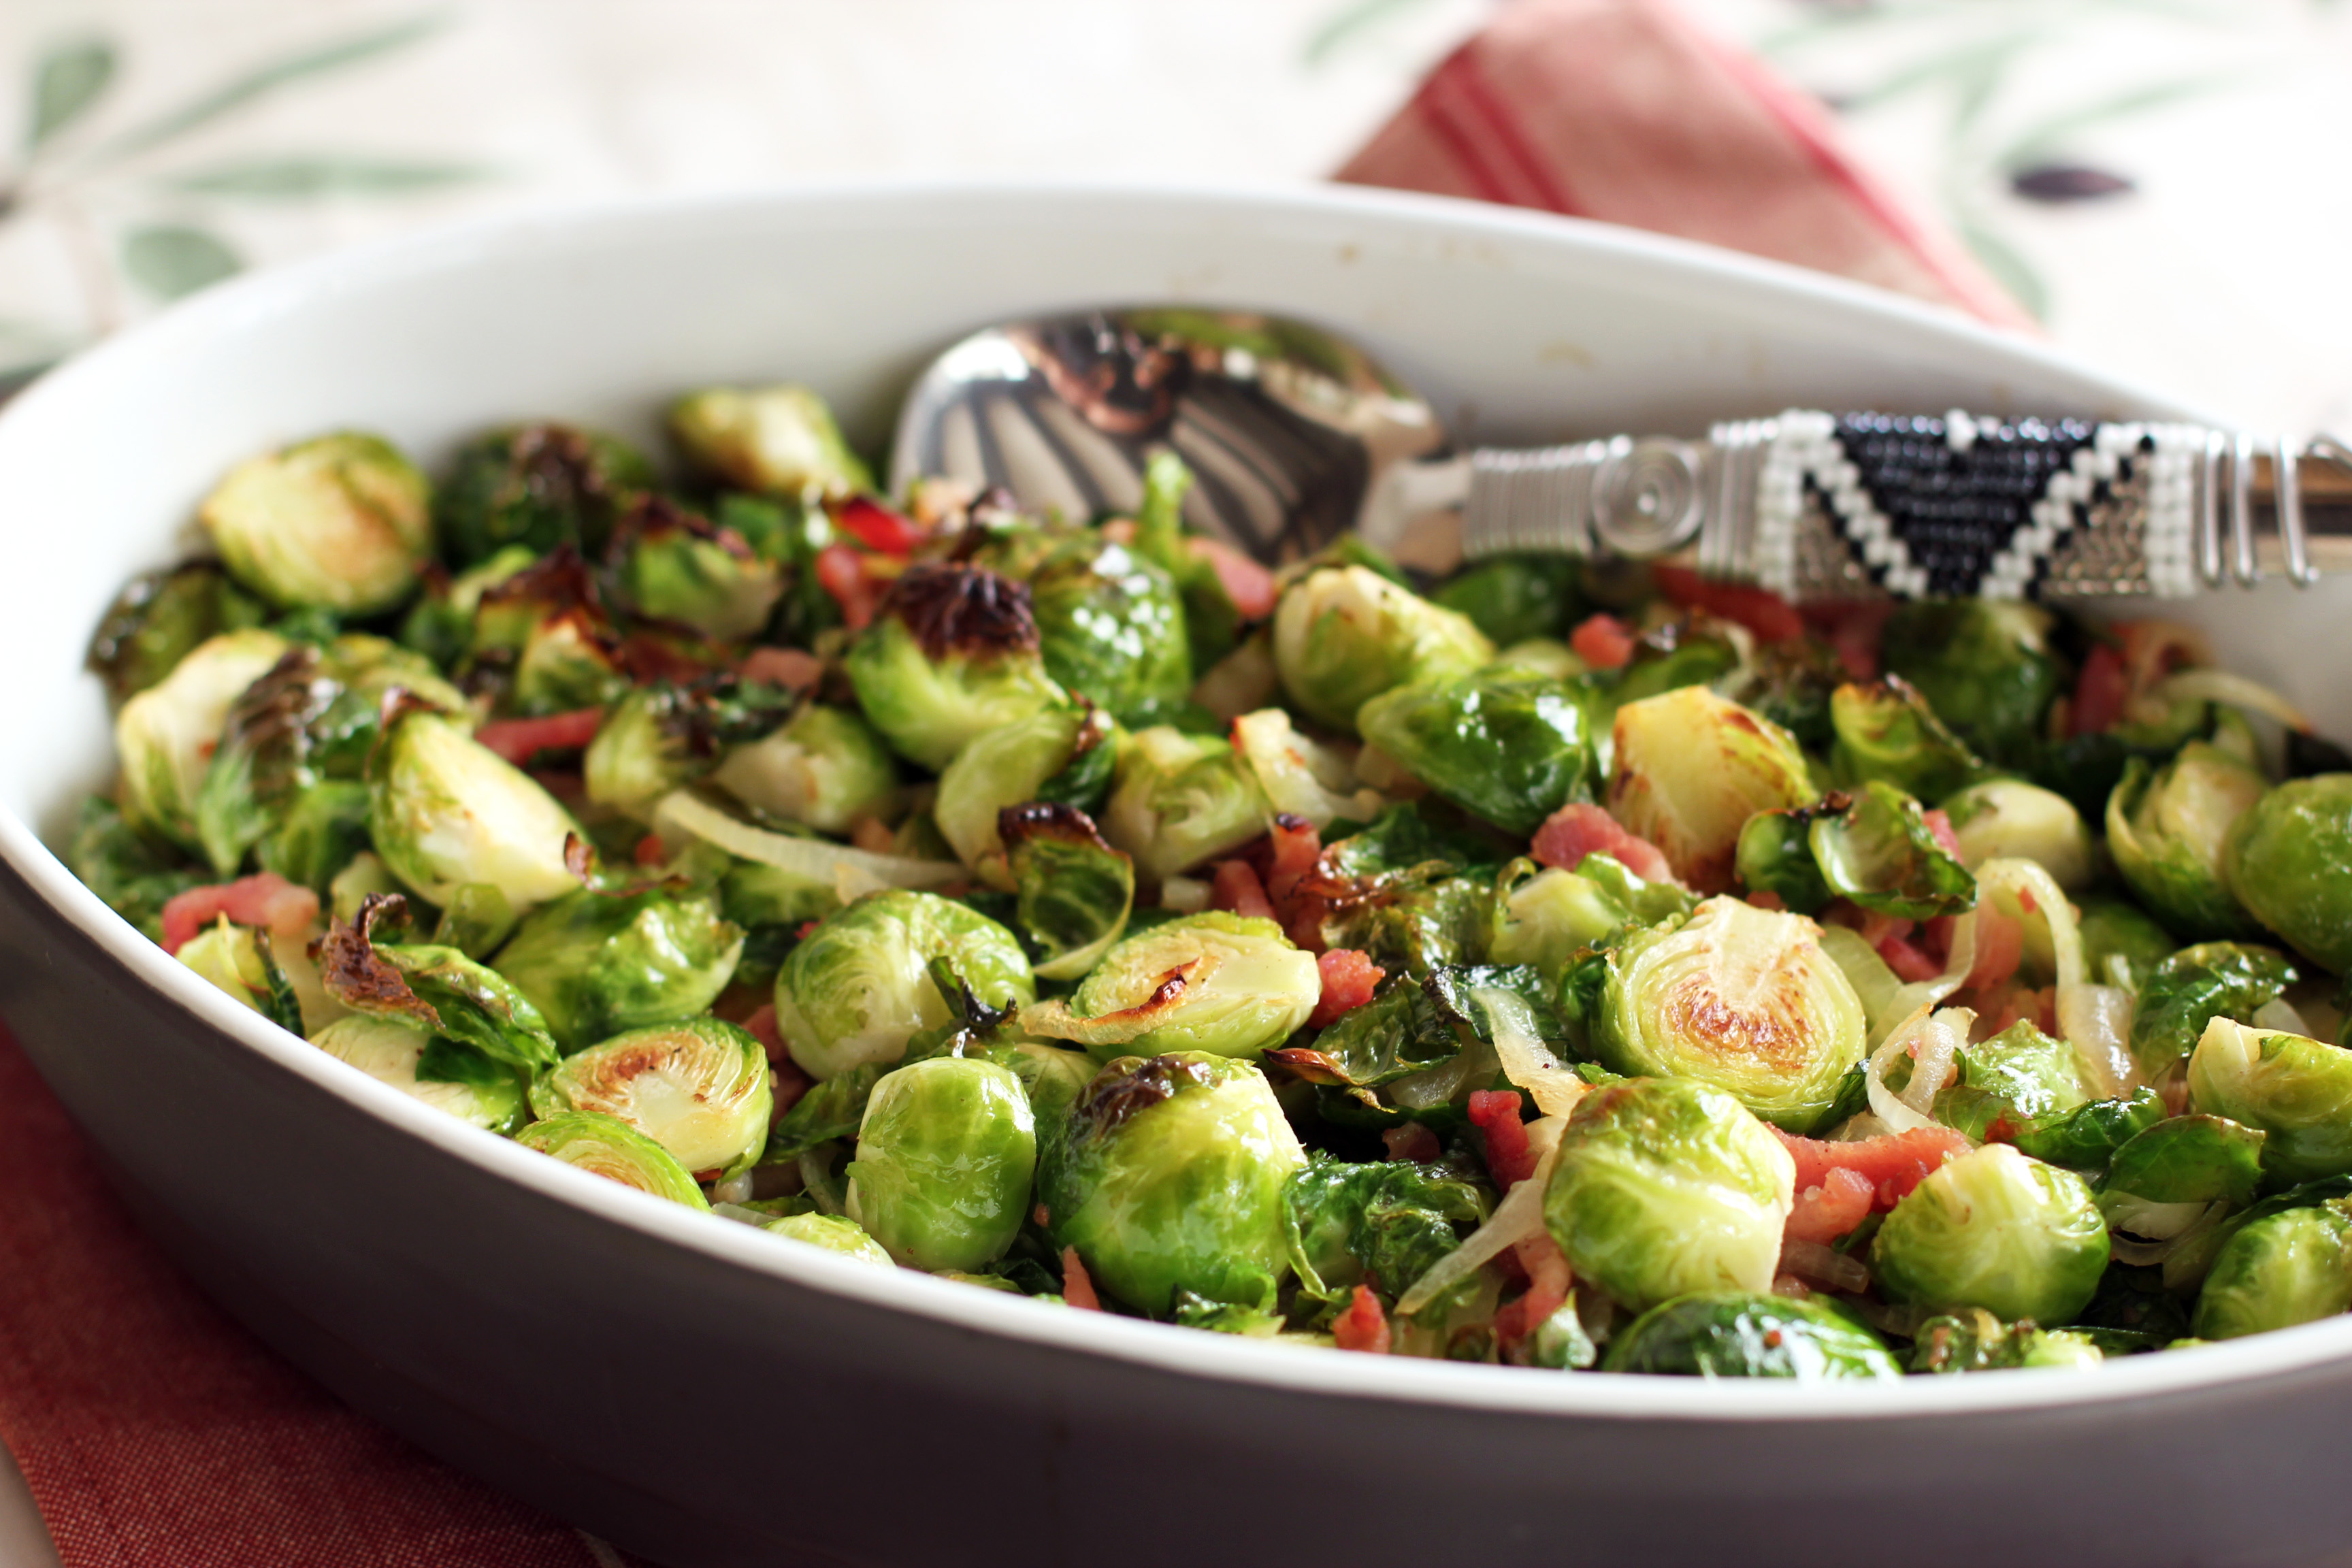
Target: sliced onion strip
[850,872]
[1527,1062]
[1517,1218]
[2232,691]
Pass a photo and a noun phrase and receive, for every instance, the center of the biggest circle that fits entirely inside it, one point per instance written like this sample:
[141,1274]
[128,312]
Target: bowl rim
[1160,1347]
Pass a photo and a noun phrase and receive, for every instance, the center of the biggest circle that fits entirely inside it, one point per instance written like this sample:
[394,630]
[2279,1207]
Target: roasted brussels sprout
[944,1157]
[338,522]
[662,735]
[834,1233]
[1303,777]
[445,1075]
[2168,831]
[2297,1091]
[2191,988]
[1170,1175]
[165,735]
[2286,863]
[2013,1085]
[1740,1333]
[1690,768]
[158,618]
[1011,766]
[674,565]
[608,1147]
[1179,800]
[1879,852]
[1662,1187]
[1110,627]
[1775,856]
[1226,984]
[780,440]
[2284,1268]
[1388,1223]
[1740,998]
[1344,635]
[952,654]
[1517,598]
[1994,1230]
[439,987]
[543,643]
[2181,1163]
[236,960]
[2121,945]
[823,770]
[444,810]
[1500,742]
[1976,1341]
[1886,730]
[1550,917]
[860,985]
[537,487]
[596,964]
[2009,819]
[1984,664]
[1075,892]
[698,1086]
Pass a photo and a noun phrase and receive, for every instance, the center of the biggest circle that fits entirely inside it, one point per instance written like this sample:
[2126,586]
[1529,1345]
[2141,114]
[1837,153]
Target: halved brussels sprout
[437,987]
[1985,665]
[1739,1333]
[2168,832]
[444,810]
[2009,819]
[2191,1160]
[1299,776]
[2286,861]
[608,1147]
[1515,598]
[951,654]
[595,964]
[1387,1224]
[543,635]
[158,617]
[861,985]
[2281,1269]
[673,565]
[834,1233]
[1663,1186]
[1227,984]
[1880,853]
[2121,945]
[1009,767]
[1110,625]
[944,1156]
[698,1086]
[1179,800]
[1169,1176]
[440,624]
[1976,1341]
[1886,730]
[1344,635]
[1547,919]
[1775,856]
[448,1077]
[2012,1086]
[1076,892]
[165,736]
[1500,742]
[662,735]
[1994,1230]
[537,487]
[236,960]
[781,440]
[2295,1089]
[1690,768]
[2188,989]
[823,770]
[1743,999]
[338,522]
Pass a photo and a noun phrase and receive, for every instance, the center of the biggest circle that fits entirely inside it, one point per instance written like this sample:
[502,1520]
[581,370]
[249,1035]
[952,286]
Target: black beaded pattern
[1953,510]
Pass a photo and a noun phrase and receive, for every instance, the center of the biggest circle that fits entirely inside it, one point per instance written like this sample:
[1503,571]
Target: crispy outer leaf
[2190,1160]
[2195,985]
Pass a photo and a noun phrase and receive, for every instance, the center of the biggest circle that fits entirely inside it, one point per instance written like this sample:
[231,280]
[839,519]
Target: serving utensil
[1295,435]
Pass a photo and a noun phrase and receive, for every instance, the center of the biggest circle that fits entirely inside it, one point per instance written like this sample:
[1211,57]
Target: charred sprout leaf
[543,635]
[2278,1270]
[2188,1159]
[2015,1084]
[1075,891]
[1690,768]
[951,654]
[608,1147]
[2008,819]
[436,987]
[2286,863]
[448,1077]
[1984,666]
[1404,843]
[158,618]
[1994,1230]
[860,986]
[1227,984]
[1386,1224]
[698,1086]
[444,810]
[1887,731]
[1741,1333]
[1880,853]
[2121,946]
[1006,768]
[779,440]
[1663,1186]
[1111,624]
[823,770]
[1181,800]
[2086,1138]
[2297,1091]
[1790,682]
[165,736]
[1514,599]
[2168,831]
[236,960]
[945,1153]
[2193,986]
[134,877]
[1344,635]
[339,522]
[1506,745]
[595,965]
[674,565]
[1170,1175]
[537,487]
[1416,928]
[440,623]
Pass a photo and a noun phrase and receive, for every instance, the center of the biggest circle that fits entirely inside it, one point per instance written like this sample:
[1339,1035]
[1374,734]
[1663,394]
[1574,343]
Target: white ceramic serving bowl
[703,1393]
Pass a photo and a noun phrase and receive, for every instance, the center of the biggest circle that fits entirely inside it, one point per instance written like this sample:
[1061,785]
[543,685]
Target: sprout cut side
[608,1147]
[339,522]
[1690,768]
[1231,986]
[444,810]
[1344,635]
[450,1077]
[699,1088]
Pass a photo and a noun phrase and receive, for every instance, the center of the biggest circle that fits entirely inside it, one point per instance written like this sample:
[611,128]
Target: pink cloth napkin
[156,1434]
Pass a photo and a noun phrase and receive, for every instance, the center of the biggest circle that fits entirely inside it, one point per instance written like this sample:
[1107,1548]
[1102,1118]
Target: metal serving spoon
[1295,435]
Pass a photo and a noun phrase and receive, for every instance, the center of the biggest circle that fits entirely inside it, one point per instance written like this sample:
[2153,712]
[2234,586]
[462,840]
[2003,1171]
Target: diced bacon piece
[1941,827]
[806,927]
[1412,1142]
[873,835]
[1908,962]
[2000,942]
[1827,1212]
[649,850]
[1249,585]
[1572,832]
[519,740]
[789,667]
[1077,1287]
[1363,1326]
[1295,846]
[1496,1113]
[1547,1282]
[876,526]
[762,1027]
[1853,627]
[1235,888]
[1348,977]
[2099,692]
[1603,642]
[1766,613]
[1766,898]
[1892,1164]
[841,572]
[265,900]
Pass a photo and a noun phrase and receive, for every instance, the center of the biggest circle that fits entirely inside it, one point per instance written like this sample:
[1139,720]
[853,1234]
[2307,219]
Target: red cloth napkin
[1627,112]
